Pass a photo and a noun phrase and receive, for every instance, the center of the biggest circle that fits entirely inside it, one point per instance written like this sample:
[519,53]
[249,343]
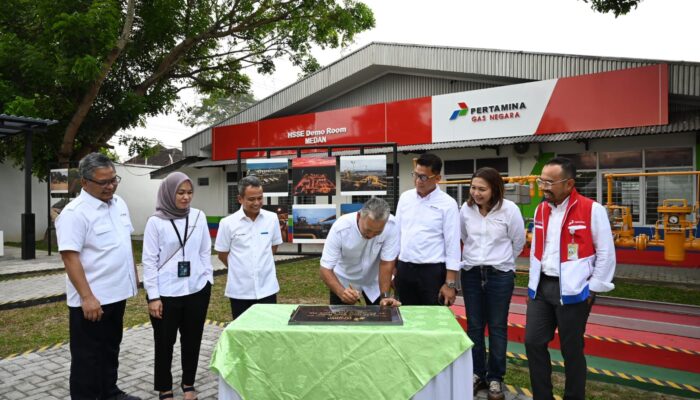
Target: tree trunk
[81,112]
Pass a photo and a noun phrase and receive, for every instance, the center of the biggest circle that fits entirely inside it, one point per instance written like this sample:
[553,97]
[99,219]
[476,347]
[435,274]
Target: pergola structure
[11,125]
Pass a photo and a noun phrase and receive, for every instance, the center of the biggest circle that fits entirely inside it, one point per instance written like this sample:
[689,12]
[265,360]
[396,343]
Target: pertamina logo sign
[496,112]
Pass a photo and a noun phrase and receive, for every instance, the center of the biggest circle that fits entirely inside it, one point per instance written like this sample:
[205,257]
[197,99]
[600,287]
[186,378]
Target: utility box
[517,193]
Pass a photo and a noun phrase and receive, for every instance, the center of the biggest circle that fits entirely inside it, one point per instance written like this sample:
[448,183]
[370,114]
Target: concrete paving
[44,374]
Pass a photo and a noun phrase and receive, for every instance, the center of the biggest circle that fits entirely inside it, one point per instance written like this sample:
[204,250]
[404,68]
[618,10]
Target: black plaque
[345,315]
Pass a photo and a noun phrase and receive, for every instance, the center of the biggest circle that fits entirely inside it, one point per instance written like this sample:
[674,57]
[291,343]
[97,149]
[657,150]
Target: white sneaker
[495,391]
[478,384]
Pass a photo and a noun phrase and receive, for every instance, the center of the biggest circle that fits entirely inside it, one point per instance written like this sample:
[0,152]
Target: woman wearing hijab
[177,276]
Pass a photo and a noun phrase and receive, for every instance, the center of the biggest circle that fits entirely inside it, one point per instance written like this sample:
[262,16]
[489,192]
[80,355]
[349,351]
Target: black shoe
[479,384]
[496,391]
[188,389]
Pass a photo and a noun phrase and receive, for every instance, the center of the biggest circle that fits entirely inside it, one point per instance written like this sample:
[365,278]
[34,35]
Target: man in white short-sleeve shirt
[360,254]
[94,239]
[246,243]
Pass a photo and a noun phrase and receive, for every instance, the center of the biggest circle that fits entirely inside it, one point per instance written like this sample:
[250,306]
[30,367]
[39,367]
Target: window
[582,161]
[621,159]
[202,181]
[673,157]
[499,164]
[459,167]
[586,173]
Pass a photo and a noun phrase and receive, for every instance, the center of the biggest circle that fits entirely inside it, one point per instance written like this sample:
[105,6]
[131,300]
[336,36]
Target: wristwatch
[451,284]
[386,295]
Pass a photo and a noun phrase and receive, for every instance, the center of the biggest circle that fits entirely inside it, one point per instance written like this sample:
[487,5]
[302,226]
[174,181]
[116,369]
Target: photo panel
[282,212]
[313,176]
[312,222]
[363,175]
[59,181]
[273,174]
[347,208]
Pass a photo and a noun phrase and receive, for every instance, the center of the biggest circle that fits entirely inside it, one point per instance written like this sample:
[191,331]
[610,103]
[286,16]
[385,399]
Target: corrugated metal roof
[494,67]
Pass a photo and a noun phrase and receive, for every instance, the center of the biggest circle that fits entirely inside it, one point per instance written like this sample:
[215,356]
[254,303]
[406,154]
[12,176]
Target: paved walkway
[44,375]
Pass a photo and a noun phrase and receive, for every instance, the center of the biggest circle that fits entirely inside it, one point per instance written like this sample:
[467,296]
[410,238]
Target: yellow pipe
[653,174]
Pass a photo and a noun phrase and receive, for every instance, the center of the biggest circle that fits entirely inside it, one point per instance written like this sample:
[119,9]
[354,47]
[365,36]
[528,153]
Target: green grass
[639,291]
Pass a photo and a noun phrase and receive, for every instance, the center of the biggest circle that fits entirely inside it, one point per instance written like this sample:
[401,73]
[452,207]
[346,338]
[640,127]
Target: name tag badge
[572,251]
[183,269]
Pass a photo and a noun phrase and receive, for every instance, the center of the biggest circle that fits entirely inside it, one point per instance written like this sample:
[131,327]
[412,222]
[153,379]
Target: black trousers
[187,315]
[94,351]
[419,284]
[336,301]
[544,314]
[239,306]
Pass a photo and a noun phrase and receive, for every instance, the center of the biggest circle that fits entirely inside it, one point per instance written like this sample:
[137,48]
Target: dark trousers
[419,284]
[544,314]
[336,301]
[94,351]
[487,292]
[239,306]
[186,314]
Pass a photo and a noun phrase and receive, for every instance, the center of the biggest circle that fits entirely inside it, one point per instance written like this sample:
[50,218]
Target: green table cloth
[262,357]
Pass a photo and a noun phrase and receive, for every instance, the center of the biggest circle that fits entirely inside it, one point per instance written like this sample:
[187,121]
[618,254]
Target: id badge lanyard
[179,239]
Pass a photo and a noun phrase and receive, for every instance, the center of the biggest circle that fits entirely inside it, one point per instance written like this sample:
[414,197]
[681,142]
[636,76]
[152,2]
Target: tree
[617,7]
[99,66]
[215,109]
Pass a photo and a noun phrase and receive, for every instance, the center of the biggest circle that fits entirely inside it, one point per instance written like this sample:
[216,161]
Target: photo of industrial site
[273,174]
[312,222]
[363,175]
[282,212]
[313,176]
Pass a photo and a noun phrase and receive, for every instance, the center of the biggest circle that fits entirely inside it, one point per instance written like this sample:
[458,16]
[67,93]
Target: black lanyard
[179,239]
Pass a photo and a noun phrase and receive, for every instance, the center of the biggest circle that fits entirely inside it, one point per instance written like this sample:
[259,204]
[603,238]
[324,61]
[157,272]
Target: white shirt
[162,252]
[354,259]
[429,228]
[101,233]
[550,252]
[251,266]
[495,239]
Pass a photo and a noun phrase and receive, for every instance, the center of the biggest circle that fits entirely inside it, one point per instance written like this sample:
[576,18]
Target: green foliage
[140,146]
[217,107]
[617,7]
[53,54]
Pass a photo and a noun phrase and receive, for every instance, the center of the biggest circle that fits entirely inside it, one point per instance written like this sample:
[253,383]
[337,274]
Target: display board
[273,174]
[313,176]
[312,222]
[363,175]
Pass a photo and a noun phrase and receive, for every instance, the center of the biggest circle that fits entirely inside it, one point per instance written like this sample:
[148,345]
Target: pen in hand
[358,292]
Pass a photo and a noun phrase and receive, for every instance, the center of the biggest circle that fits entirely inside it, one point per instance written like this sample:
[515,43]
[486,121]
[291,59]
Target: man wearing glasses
[94,238]
[429,256]
[572,257]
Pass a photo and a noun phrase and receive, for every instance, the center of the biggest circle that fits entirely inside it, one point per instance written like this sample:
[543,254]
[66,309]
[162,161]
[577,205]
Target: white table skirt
[454,382]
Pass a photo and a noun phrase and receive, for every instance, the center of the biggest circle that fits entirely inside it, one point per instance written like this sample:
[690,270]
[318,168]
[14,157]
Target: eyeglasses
[114,181]
[548,184]
[422,178]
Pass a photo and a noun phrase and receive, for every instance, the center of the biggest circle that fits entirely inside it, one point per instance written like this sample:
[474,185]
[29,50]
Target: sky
[657,29]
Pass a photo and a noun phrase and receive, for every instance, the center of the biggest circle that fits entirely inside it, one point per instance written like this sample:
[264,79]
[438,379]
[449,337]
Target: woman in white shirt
[177,276]
[493,234]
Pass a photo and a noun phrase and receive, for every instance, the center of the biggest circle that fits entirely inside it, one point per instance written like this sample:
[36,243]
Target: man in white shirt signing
[246,242]
[429,259]
[360,254]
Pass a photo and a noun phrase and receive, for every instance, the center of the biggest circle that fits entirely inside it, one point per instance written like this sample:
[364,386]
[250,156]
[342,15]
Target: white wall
[139,191]
[12,203]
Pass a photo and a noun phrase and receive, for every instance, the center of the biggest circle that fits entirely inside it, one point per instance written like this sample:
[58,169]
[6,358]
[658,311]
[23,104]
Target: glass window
[582,160]
[674,157]
[232,177]
[621,159]
[459,167]
[625,193]
[499,164]
[586,184]
[202,181]
[660,188]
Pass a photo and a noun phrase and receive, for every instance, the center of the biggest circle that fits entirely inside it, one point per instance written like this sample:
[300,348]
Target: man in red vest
[572,258]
